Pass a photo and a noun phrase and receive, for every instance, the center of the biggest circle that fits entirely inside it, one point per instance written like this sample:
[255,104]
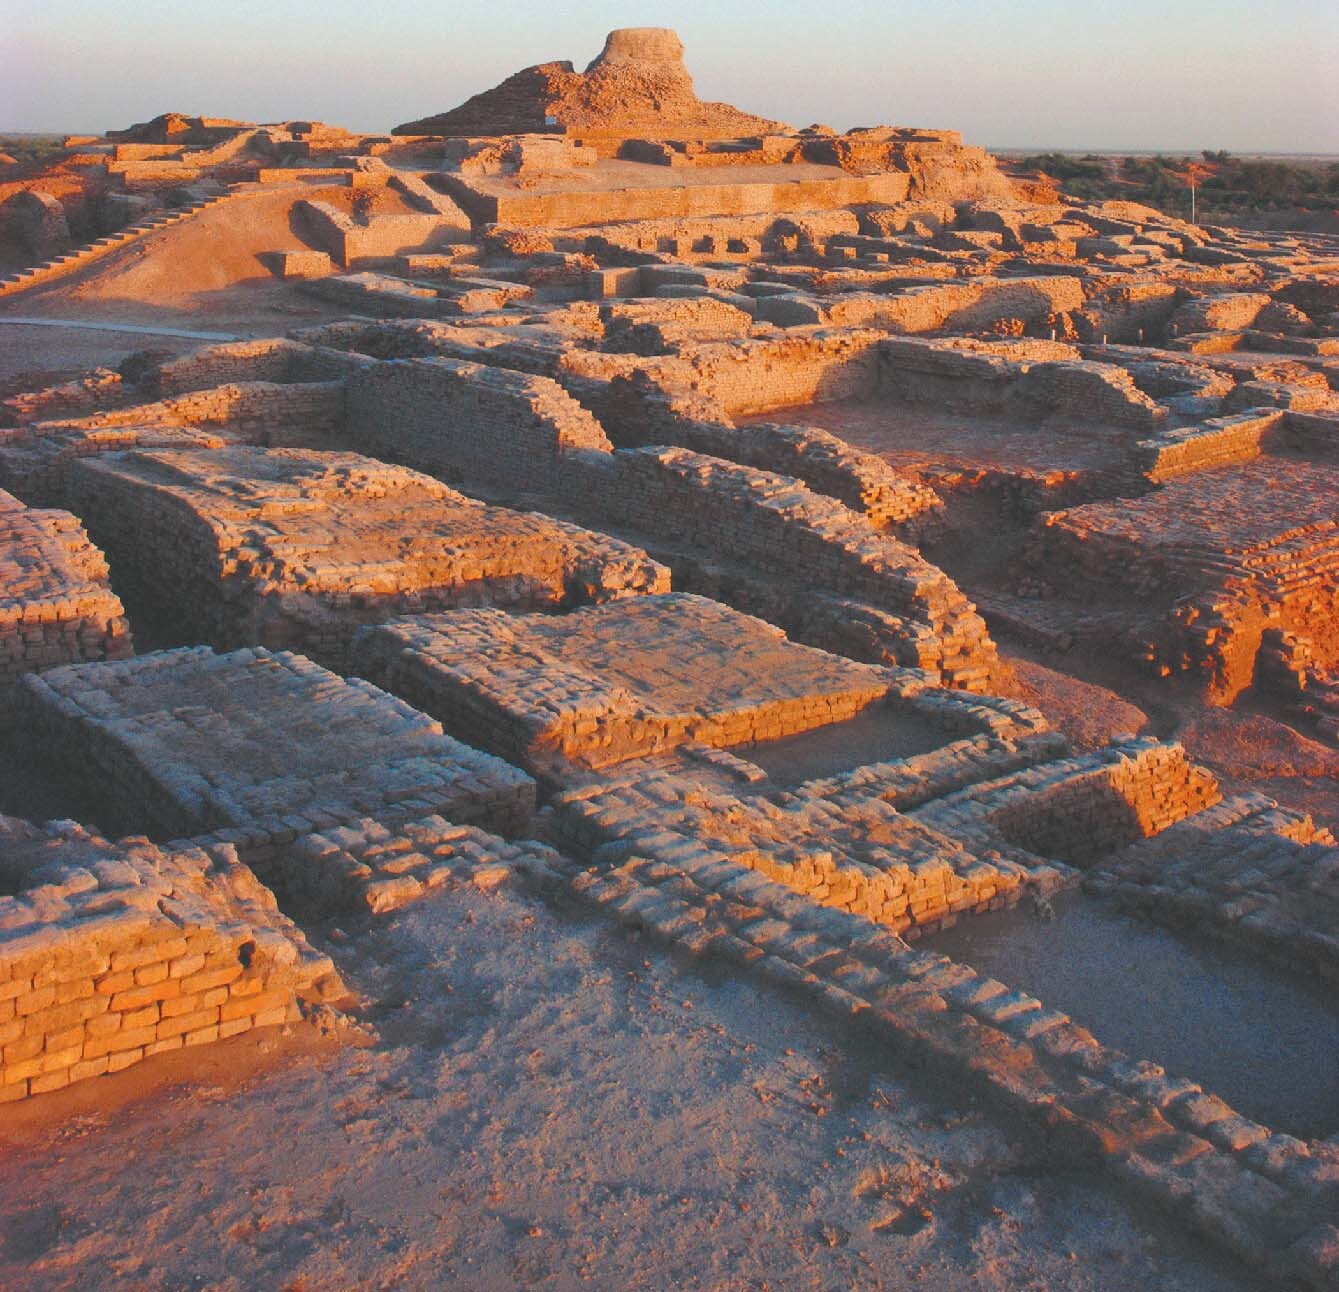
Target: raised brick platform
[613,682]
[294,549]
[258,746]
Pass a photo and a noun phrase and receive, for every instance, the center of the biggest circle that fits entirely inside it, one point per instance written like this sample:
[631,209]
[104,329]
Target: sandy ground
[204,273]
[548,1103]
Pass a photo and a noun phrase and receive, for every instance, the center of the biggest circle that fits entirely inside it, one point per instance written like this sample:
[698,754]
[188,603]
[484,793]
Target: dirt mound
[638,88]
[1089,715]
[176,128]
[1253,746]
[215,249]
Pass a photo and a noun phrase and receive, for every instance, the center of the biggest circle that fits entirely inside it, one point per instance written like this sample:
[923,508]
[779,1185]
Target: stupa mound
[637,88]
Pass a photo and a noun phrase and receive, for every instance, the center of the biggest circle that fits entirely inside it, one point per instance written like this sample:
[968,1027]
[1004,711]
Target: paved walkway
[139,328]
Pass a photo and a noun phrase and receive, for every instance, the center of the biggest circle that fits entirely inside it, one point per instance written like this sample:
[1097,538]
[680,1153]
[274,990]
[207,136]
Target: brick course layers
[113,953]
[272,746]
[778,525]
[295,549]
[462,419]
[614,682]
[55,603]
[1237,549]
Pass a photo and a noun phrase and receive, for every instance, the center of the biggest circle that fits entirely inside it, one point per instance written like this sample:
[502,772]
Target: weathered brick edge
[1269,1198]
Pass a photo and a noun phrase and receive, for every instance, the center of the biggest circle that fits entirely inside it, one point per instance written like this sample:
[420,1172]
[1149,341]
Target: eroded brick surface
[295,549]
[605,684]
[56,606]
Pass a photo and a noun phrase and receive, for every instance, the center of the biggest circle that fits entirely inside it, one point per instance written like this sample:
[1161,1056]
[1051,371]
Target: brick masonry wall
[111,954]
[56,605]
[463,419]
[254,751]
[776,524]
[274,359]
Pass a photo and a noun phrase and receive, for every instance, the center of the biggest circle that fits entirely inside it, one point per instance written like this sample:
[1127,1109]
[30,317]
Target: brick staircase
[79,257]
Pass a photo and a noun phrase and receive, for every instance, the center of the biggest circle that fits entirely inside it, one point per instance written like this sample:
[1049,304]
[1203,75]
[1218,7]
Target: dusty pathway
[550,1104]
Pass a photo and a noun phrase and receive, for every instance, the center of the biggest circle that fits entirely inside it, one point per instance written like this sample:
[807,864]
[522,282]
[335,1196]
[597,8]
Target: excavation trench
[1266,1044]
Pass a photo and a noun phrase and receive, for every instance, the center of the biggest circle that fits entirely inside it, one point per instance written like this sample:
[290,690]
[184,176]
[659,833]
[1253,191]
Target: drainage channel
[1266,1044]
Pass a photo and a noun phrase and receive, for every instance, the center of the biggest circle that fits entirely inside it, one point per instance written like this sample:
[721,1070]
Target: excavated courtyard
[663,700]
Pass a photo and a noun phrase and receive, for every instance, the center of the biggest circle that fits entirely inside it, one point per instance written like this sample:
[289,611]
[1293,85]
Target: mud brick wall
[578,208]
[314,408]
[736,379]
[112,954]
[974,306]
[462,419]
[275,359]
[1246,870]
[804,367]
[347,240]
[827,464]
[297,550]
[1138,311]
[709,235]
[1217,441]
[251,412]
[983,377]
[382,294]
[260,747]
[640,410]
[778,525]
[56,606]
[1226,552]
[1266,1197]
[907,783]
[605,684]
[100,389]
[242,406]
[1316,434]
[1222,313]
[37,221]
[1090,390]
[35,460]
[662,326]
[866,859]
[1080,809]
[325,226]
[395,235]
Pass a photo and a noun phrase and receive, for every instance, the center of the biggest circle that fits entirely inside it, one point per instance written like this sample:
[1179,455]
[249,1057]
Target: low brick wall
[827,464]
[465,420]
[1216,442]
[1007,380]
[102,388]
[1266,1198]
[605,684]
[777,525]
[971,306]
[272,359]
[366,866]
[35,460]
[113,953]
[292,549]
[259,747]
[1247,871]
[1078,810]
[56,605]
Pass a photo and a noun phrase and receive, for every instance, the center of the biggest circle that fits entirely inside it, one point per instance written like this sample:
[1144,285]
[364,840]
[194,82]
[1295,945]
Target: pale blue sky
[1157,74]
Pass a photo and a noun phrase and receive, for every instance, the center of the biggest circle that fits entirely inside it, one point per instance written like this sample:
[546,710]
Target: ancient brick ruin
[653,519]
